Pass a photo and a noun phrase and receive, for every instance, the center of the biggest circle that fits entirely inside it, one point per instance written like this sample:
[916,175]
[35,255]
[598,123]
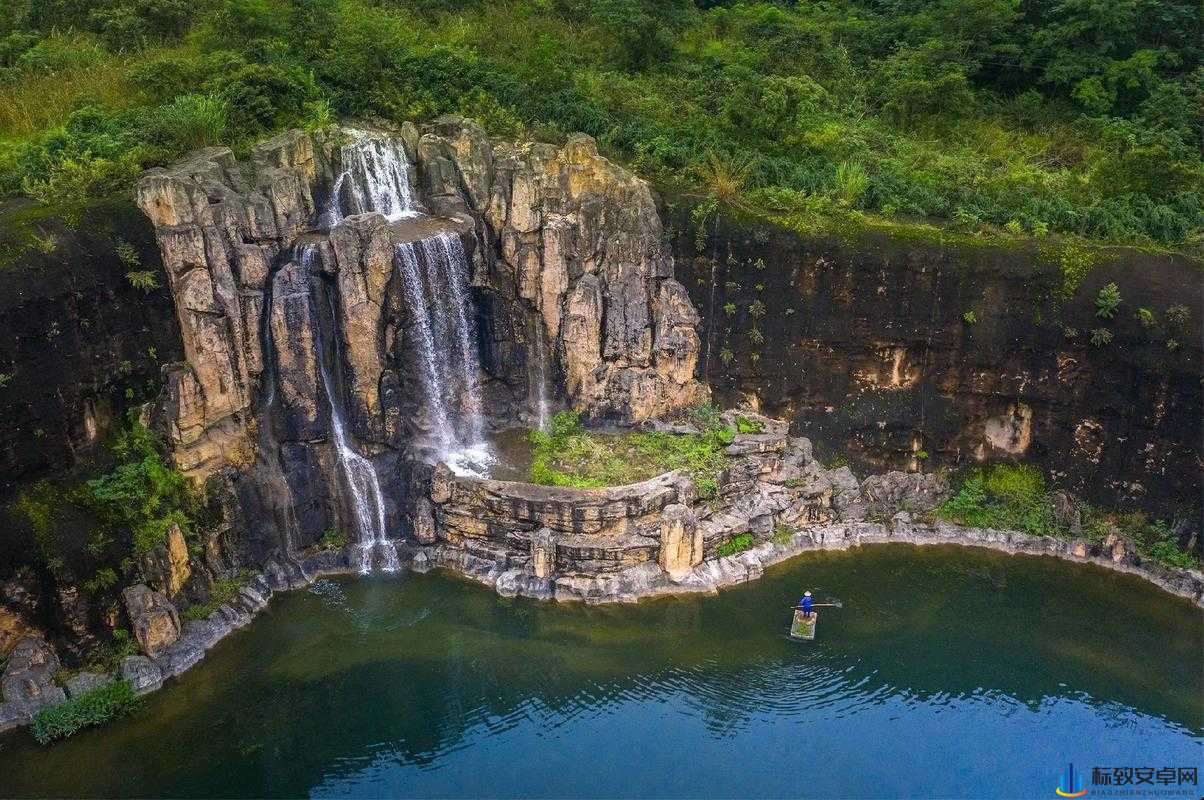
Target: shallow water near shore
[948,672]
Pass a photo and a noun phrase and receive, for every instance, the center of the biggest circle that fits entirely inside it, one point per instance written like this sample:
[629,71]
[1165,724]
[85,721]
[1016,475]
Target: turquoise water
[948,672]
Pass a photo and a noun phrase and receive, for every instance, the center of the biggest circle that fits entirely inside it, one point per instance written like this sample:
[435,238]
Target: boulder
[167,566]
[28,679]
[13,628]
[84,682]
[847,500]
[543,554]
[1066,512]
[153,618]
[422,521]
[142,673]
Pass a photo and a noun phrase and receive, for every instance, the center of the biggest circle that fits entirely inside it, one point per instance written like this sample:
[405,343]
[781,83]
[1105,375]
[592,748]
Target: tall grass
[193,120]
[38,101]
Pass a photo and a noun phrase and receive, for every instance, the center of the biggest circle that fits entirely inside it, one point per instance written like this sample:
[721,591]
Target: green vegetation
[746,425]
[737,544]
[142,497]
[223,591]
[1003,496]
[1071,117]
[332,539]
[1106,301]
[96,707]
[1015,497]
[567,455]
[108,657]
[88,529]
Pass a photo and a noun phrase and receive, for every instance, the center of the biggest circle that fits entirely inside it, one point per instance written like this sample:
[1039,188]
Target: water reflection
[943,666]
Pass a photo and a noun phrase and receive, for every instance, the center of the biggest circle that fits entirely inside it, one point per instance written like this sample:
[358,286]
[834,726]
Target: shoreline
[643,582]
[647,581]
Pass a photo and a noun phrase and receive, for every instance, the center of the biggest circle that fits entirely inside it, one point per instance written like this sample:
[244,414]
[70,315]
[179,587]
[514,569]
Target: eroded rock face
[560,235]
[911,492]
[580,243]
[153,619]
[167,567]
[681,541]
[314,281]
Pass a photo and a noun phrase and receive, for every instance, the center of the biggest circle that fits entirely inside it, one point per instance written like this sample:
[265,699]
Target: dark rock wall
[865,346]
[79,345]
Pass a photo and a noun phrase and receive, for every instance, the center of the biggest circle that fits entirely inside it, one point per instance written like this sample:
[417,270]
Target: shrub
[1177,316]
[1107,300]
[970,318]
[142,497]
[1101,337]
[143,279]
[92,708]
[189,122]
[1005,497]
[736,544]
[1146,318]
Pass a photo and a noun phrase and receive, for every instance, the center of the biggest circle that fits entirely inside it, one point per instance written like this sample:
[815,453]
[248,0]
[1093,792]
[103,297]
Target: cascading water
[359,476]
[539,380]
[375,177]
[447,264]
[435,277]
[434,274]
[430,358]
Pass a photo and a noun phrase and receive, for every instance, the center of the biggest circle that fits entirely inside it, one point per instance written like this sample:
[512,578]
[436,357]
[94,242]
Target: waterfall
[359,476]
[434,274]
[540,381]
[446,251]
[430,358]
[376,176]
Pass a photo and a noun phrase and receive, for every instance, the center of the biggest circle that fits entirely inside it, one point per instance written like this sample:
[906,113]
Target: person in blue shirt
[805,605]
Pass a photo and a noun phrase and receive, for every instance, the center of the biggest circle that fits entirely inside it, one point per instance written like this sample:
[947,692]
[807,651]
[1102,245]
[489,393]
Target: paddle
[836,604]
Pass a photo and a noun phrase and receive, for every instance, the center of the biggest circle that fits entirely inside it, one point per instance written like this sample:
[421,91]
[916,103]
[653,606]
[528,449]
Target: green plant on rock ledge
[223,591]
[142,497]
[332,539]
[1107,300]
[746,425]
[1016,497]
[568,455]
[1005,497]
[95,707]
[736,544]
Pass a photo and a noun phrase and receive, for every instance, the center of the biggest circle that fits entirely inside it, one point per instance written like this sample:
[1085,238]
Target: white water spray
[359,476]
[540,381]
[376,177]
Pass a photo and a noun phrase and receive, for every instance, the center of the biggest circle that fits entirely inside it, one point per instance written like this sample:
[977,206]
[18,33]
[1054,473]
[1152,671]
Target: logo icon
[1072,784]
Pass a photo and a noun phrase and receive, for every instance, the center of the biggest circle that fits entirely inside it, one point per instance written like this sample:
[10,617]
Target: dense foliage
[96,707]
[1016,497]
[141,498]
[1078,116]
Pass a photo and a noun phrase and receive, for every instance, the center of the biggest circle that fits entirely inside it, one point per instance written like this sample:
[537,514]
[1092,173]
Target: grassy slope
[754,108]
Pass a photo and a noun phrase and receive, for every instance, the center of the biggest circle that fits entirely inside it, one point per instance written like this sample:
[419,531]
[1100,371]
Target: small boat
[803,627]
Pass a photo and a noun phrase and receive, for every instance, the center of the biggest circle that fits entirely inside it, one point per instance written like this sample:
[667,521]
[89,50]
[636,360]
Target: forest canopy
[1073,116]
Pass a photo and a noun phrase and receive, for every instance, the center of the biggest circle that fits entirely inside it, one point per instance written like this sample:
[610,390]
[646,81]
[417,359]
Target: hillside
[988,116]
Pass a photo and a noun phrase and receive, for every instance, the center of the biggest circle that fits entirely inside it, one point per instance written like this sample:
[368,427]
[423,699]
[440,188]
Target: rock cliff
[411,289]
